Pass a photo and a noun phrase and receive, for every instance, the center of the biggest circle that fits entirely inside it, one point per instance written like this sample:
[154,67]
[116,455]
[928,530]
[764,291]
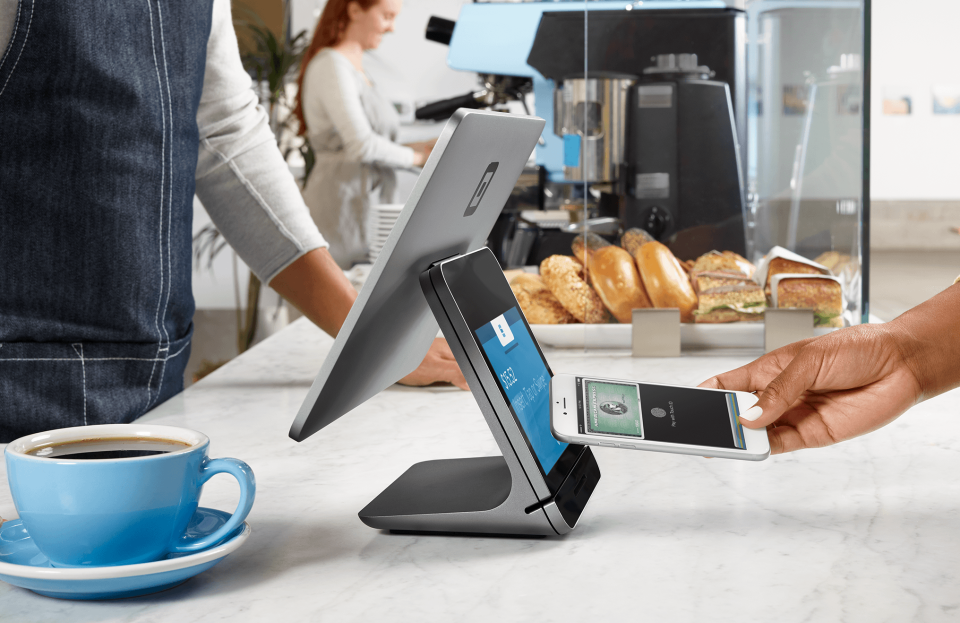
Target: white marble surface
[866,531]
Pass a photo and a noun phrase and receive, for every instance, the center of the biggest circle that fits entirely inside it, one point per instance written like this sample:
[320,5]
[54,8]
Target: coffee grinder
[667,146]
[682,178]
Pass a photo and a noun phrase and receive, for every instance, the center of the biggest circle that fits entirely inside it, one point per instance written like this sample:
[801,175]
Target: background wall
[915,156]
[406,67]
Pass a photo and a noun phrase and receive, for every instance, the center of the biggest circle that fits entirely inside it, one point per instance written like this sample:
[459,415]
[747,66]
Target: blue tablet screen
[525,381]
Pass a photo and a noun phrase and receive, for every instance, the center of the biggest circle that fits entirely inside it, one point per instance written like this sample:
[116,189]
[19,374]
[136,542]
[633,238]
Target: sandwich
[740,302]
[820,293]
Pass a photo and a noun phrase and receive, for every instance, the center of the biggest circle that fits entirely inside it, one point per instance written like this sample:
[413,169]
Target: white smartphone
[656,417]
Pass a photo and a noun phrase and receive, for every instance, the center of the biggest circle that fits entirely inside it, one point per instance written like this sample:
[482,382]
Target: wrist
[928,338]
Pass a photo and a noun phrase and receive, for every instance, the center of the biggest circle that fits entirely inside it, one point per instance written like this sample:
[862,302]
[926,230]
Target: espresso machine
[647,119]
[495,90]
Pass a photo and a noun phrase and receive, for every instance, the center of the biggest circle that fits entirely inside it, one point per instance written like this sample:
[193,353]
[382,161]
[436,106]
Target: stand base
[478,535]
[458,496]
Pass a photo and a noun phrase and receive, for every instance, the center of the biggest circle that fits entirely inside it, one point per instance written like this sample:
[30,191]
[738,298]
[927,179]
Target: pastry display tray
[692,336]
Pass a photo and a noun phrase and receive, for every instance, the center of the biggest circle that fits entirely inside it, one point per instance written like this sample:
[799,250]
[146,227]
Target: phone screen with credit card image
[660,413]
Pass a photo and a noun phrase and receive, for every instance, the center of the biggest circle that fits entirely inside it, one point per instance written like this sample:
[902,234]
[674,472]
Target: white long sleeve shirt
[241,177]
[336,119]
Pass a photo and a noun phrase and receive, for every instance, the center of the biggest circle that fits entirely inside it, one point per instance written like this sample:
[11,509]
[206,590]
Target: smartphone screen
[683,415]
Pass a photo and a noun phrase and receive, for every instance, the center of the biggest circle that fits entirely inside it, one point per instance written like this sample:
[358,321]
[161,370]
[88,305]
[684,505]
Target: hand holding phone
[654,417]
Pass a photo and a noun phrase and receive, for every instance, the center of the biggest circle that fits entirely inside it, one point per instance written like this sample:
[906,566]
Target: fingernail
[751,414]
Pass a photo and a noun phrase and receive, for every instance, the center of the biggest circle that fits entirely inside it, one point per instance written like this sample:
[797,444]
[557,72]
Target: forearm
[316,286]
[929,338]
[241,176]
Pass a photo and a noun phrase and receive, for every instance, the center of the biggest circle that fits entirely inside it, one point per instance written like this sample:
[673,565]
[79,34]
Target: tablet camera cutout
[482,187]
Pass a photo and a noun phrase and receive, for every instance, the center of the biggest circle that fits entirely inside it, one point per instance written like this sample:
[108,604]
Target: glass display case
[807,118]
[718,144]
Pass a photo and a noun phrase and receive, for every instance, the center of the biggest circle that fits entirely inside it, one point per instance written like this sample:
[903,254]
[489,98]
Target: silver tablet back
[453,206]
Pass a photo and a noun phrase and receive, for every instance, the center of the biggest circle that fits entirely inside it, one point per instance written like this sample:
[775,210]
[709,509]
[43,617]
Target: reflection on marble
[866,531]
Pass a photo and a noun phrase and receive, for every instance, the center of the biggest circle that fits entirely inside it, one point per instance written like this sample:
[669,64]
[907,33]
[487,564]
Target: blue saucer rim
[127,571]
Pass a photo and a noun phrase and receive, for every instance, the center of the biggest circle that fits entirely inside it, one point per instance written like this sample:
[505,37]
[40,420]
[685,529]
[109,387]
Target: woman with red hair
[349,125]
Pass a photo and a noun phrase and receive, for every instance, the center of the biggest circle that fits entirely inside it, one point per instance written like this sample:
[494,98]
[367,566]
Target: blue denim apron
[98,153]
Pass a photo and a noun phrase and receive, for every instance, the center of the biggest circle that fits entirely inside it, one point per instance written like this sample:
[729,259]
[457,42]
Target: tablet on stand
[424,262]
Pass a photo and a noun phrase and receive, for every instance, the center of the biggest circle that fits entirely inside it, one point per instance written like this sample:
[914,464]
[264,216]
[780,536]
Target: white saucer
[22,564]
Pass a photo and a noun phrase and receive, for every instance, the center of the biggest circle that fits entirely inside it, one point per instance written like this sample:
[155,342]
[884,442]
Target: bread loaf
[536,301]
[666,282]
[562,275]
[614,276]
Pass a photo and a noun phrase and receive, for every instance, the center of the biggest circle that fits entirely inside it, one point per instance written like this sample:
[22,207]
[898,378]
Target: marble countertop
[865,531]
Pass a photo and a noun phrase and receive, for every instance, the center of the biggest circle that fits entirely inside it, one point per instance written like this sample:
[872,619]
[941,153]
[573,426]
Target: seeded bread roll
[666,282]
[614,276]
[538,304]
[562,275]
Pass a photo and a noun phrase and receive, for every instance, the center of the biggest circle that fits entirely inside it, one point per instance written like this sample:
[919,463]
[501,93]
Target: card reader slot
[580,483]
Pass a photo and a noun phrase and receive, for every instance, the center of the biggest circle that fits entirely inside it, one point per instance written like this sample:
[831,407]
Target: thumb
[779,395]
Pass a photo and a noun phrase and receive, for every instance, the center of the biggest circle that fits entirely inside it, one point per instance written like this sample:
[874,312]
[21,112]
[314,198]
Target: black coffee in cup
[108,448]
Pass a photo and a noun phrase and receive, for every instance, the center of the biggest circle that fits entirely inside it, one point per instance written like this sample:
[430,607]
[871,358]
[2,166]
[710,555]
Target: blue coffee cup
[87,512]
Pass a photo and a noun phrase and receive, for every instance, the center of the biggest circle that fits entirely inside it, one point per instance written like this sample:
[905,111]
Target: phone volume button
[608,444]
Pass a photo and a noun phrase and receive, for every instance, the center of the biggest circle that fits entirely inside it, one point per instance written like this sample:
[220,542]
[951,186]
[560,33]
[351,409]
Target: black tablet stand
[484,495]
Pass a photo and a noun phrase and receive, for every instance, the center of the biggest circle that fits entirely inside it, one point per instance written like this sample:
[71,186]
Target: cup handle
[248,490]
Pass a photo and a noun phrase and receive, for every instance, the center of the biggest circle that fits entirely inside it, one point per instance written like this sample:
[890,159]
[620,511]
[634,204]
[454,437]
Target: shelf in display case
[692,336]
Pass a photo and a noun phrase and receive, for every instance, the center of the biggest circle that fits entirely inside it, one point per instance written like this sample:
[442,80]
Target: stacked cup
[380,221]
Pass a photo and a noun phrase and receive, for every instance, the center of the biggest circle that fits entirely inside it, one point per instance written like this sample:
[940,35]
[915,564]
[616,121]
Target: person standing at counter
[349,125]
[825,390]
[114,114]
